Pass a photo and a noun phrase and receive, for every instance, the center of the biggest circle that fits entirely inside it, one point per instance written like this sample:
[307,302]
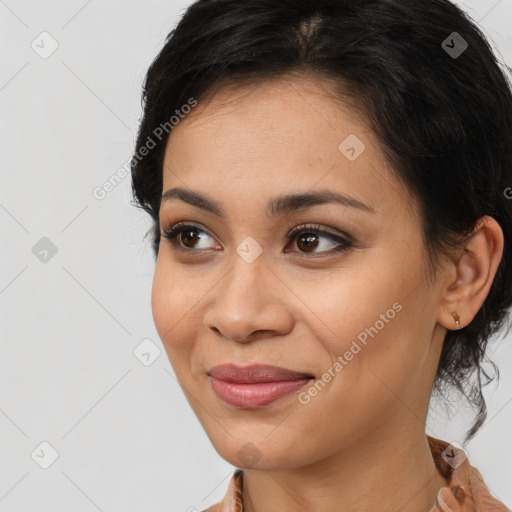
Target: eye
[186,236]
[190,236]
[310,237]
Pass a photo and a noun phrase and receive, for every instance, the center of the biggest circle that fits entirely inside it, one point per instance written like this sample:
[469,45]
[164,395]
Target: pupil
[191,234]
[310,241]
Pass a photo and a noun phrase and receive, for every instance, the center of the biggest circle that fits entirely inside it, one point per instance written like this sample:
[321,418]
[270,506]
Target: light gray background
[125,435]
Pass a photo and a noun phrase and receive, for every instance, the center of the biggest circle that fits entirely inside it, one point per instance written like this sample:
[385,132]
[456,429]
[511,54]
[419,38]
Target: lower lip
[251,396]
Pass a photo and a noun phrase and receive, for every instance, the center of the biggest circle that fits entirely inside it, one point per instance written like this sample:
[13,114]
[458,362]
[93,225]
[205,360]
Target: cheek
[161,298]
[372,322]
[354,304]
[172,306]
[174,309]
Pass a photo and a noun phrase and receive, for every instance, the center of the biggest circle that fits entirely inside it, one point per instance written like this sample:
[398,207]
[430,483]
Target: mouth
[255,374]
[255,386]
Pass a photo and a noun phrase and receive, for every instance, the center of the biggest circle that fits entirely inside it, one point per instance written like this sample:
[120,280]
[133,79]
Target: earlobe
[456,317]
[474,273]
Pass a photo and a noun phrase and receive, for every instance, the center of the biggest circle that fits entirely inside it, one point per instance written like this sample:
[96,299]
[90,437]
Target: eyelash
[346,243]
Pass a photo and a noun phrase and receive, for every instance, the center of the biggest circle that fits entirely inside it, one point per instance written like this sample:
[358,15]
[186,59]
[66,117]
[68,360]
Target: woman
[328,184]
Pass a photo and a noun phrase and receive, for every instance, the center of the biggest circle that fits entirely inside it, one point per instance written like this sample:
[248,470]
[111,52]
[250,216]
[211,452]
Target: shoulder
[467,490]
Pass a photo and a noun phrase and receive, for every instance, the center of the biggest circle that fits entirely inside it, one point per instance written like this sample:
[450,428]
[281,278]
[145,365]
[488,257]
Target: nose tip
[246,308]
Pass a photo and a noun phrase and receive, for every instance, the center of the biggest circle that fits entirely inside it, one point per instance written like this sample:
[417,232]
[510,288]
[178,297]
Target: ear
[469,279]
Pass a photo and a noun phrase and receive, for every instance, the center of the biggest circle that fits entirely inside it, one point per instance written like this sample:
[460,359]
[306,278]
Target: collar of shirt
[466,492]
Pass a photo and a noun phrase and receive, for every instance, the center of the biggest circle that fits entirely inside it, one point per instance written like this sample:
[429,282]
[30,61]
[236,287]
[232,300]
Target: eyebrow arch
[278,206]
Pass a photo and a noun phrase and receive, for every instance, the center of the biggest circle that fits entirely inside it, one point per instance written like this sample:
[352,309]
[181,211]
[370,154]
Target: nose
[250,302]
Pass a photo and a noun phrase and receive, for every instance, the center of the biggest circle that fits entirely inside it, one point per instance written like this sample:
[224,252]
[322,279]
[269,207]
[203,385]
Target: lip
[254,386]
[255,373]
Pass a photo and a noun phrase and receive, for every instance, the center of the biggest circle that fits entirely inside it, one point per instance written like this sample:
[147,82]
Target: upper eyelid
[292,233]
[308,225]
[185,224]
[319,228]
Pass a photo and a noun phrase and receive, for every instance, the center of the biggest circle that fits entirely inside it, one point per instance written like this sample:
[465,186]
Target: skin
[360,443]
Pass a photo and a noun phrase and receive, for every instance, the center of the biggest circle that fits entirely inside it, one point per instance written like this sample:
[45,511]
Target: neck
[384,473]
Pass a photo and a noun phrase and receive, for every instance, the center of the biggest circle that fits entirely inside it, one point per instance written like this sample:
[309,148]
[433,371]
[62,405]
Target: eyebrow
[280,205]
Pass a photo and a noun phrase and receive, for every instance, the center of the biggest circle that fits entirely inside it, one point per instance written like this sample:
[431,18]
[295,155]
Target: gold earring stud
[456,317]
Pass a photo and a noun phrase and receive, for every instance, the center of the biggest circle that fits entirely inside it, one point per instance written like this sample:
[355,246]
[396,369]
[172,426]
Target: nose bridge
[248,267]
[249,250]
[243,302]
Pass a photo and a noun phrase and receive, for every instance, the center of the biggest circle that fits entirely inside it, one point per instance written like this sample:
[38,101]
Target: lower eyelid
[342,245]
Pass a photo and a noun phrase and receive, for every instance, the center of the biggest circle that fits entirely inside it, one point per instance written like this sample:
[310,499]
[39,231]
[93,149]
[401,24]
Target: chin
[262,454]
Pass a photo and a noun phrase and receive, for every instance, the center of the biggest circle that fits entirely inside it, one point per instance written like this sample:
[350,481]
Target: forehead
[278,136]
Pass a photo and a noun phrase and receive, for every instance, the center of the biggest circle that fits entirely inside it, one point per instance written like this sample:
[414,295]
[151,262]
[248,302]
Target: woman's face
[362,320]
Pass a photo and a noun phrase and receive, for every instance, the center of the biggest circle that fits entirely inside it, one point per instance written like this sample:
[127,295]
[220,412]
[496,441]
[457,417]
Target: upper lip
[255,373]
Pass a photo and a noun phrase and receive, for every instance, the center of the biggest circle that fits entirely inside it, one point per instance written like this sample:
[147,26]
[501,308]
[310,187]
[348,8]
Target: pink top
[466,492]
